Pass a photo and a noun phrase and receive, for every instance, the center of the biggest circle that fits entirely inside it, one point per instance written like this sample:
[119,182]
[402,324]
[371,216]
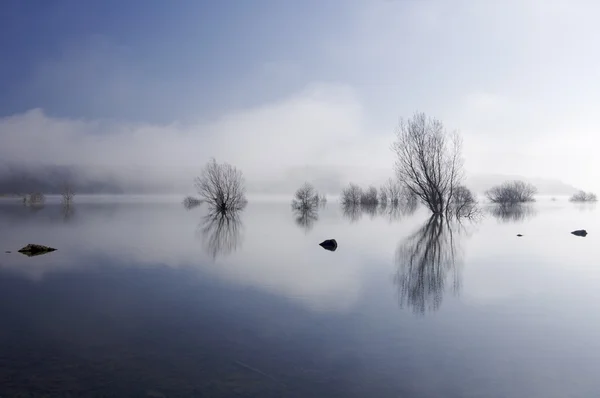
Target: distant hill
[49,179]
[480,183]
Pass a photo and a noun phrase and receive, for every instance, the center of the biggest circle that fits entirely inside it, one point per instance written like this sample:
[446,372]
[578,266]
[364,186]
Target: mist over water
[145,297]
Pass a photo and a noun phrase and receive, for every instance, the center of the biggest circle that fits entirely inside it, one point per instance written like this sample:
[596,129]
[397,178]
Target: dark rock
[329,244]
[580,232]
[519,235]
[35,250]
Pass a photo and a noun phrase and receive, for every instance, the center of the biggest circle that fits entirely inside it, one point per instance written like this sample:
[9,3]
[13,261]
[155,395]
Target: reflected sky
[133,303]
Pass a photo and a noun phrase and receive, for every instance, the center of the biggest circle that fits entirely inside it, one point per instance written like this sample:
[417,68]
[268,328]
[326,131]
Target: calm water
[151,300]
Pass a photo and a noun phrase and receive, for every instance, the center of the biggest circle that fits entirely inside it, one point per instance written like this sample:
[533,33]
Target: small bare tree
[583,196]
[222,187]
[34,199]
[383,196]
[464,203]
[189,202]
[68,193]
[369,197]
[512,192]
[306,197]
[351,195]
[429,162]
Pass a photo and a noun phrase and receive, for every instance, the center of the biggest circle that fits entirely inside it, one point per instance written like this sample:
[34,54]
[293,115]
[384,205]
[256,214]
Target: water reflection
[512,213]
[306,216]
[424,262]
[68,211]
[221,232]
[393,212]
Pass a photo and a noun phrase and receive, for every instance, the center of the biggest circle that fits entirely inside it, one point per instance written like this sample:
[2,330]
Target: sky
[298,90]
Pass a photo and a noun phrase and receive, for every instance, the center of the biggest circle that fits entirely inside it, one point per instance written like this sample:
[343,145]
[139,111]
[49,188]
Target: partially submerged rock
[329,244]
[580,232]
[519,235]
[35,250]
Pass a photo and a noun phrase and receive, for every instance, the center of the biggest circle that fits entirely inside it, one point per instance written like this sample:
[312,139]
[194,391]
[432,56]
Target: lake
[144,298]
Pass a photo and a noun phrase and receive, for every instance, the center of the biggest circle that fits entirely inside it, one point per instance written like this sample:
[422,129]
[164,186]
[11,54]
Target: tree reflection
[353,212]
[391,211]
[512,213]
[424,261]
[68,211]
[306,216]
[221,232]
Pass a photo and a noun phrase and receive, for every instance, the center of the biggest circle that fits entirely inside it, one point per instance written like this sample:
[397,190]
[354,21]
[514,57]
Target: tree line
[428,169]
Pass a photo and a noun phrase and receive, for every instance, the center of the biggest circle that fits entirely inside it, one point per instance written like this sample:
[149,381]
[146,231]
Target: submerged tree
[222,187]
[189,202]
[67,193]
[306,197]
[368,197]
[583,196]
[351,195]
[429,163]
[512,192]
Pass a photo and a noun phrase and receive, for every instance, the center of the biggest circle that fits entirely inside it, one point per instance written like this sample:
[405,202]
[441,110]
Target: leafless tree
[306,197]
[369,197]
[34,199]
[583,196]
[424,261]
[189,202]
[512,192]
[68,193]
[222,187]
[383,196]
[429,162]
[351,195]
[464,204]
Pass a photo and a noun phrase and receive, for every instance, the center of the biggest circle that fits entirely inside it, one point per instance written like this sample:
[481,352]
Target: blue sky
[518,79]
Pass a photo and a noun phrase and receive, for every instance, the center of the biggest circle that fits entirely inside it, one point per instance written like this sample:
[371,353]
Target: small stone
[519,235]
[329,244]
[580,232]
[35,250]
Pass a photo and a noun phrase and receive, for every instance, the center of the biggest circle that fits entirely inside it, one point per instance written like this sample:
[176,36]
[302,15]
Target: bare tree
[189,202]
[222,187]
[68,193]
[34,199]
[351,195]
[583,196]
[512,192]
[464,203]
[306,197]
[369,197]
[383,196]
[429,162]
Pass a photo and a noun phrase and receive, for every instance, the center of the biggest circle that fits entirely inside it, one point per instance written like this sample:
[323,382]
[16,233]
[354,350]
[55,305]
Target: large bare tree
[222,187]
[429,163]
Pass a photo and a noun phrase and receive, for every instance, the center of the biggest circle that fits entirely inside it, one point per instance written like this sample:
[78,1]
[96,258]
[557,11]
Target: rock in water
[35,250]
[329,244]
[580,232]
[519,235]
